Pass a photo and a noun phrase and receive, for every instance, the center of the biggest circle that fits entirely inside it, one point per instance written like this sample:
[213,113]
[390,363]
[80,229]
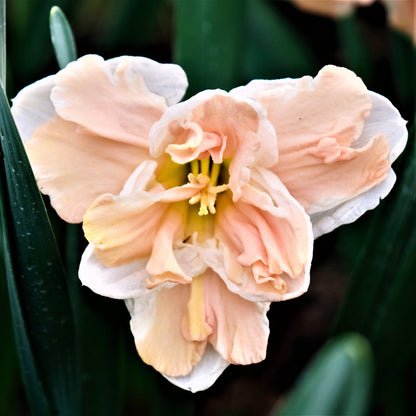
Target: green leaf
[209,40]
[403,63]
[273,48]
[39,300]
[356,51]
[338,382]
[62,37]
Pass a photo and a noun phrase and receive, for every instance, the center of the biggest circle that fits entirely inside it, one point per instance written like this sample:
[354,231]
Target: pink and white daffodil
[201,213]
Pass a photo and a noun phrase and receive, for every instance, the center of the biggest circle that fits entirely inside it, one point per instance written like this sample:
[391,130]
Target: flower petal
[122,282]
[111,99]
[139,224]
[33,107]
[240,328]
[331,147]
[156,326]
[204,374]
[217,125]
[74,168]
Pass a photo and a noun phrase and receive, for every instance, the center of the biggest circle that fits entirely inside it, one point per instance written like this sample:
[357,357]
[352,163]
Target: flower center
[202,174]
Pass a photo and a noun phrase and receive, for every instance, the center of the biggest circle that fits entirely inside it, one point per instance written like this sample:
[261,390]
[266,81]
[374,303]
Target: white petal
[123,282]
[33,107]
[386,119]
[326,221]
[167,80]
[204,374]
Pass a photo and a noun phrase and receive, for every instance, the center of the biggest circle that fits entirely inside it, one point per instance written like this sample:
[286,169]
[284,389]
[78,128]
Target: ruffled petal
[336,141]
[156,326]
[33,107]
[110,99]
[265,242]
[215,124]
[142,223]
[74,168]
[240,328]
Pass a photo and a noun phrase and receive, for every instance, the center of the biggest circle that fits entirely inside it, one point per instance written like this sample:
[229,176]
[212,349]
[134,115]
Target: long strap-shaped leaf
[337,382]
[39,298]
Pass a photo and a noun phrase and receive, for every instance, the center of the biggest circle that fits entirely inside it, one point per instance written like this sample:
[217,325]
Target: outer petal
[109,100]
[383,117]
[265,240]
[33,106]
[331,147]
[204,374]
[74,168]
[156,326]
[122,282]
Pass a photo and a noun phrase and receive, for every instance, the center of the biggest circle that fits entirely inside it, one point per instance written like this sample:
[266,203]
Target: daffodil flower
[331,8]
[401,14]
[201,213]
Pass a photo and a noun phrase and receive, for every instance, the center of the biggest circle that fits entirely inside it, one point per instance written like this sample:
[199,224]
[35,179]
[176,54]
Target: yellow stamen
[215,171]
[195,167]
[205,167]
[207,195]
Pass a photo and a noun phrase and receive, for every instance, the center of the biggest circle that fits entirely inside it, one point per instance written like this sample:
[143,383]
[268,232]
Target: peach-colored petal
[141,223]
[74,168]
[111,101]
[330,8]
[336,206]
[163,265]
[316,123]
[266,240]
[239,327]
[156,326]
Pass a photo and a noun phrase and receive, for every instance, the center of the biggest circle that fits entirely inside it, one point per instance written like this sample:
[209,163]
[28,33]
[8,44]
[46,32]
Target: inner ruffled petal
[268,233]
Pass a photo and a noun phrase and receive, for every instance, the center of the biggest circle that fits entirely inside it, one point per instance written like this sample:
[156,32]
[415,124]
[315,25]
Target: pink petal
[156,326]
[266,239]
[110,100]
[74,168]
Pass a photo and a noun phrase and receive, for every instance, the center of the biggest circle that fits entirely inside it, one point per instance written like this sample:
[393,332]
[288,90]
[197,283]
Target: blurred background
[362,276]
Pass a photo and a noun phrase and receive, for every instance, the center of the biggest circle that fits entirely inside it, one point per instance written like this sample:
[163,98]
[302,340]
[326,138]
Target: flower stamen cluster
[208,194]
